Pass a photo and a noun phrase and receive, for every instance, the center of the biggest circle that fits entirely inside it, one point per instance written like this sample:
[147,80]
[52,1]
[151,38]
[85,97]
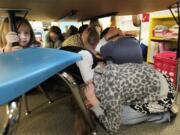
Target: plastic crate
[165,62]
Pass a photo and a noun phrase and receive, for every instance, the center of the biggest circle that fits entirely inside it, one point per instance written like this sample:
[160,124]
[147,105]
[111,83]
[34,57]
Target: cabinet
[163,36]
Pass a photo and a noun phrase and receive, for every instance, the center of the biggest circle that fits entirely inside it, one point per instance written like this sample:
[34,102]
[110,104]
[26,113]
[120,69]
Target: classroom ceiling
[53,10]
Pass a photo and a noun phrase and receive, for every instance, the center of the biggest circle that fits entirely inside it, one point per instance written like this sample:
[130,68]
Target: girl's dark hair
[82,28]
[73,30]
[103,33]
[93,35]
[57,30]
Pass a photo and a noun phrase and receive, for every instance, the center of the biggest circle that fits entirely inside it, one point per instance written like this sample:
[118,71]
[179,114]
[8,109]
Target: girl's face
[53,36]
[24,35]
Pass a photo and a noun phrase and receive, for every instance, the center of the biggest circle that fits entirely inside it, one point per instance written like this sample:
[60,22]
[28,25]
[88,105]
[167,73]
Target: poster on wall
[145,17]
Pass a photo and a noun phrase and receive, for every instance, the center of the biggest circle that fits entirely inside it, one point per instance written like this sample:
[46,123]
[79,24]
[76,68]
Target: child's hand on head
[12,37]
[89,82]
[90,94]
[87,104]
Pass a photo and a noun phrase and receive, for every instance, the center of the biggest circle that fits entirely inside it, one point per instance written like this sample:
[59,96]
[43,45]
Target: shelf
[163,39]
[158,43]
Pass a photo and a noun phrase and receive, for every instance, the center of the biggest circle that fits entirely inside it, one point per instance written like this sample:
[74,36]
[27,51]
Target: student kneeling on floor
[128,93]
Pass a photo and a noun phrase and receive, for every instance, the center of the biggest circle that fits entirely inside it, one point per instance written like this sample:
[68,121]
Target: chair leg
[27,111]
[10,116]
[76,93]
[45,94]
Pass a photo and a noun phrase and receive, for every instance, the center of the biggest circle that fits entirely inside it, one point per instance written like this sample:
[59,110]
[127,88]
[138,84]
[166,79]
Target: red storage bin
[165,62]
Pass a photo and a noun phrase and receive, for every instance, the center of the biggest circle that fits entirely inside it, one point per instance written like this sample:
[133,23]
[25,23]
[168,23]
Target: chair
[24,97]
[75,89]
